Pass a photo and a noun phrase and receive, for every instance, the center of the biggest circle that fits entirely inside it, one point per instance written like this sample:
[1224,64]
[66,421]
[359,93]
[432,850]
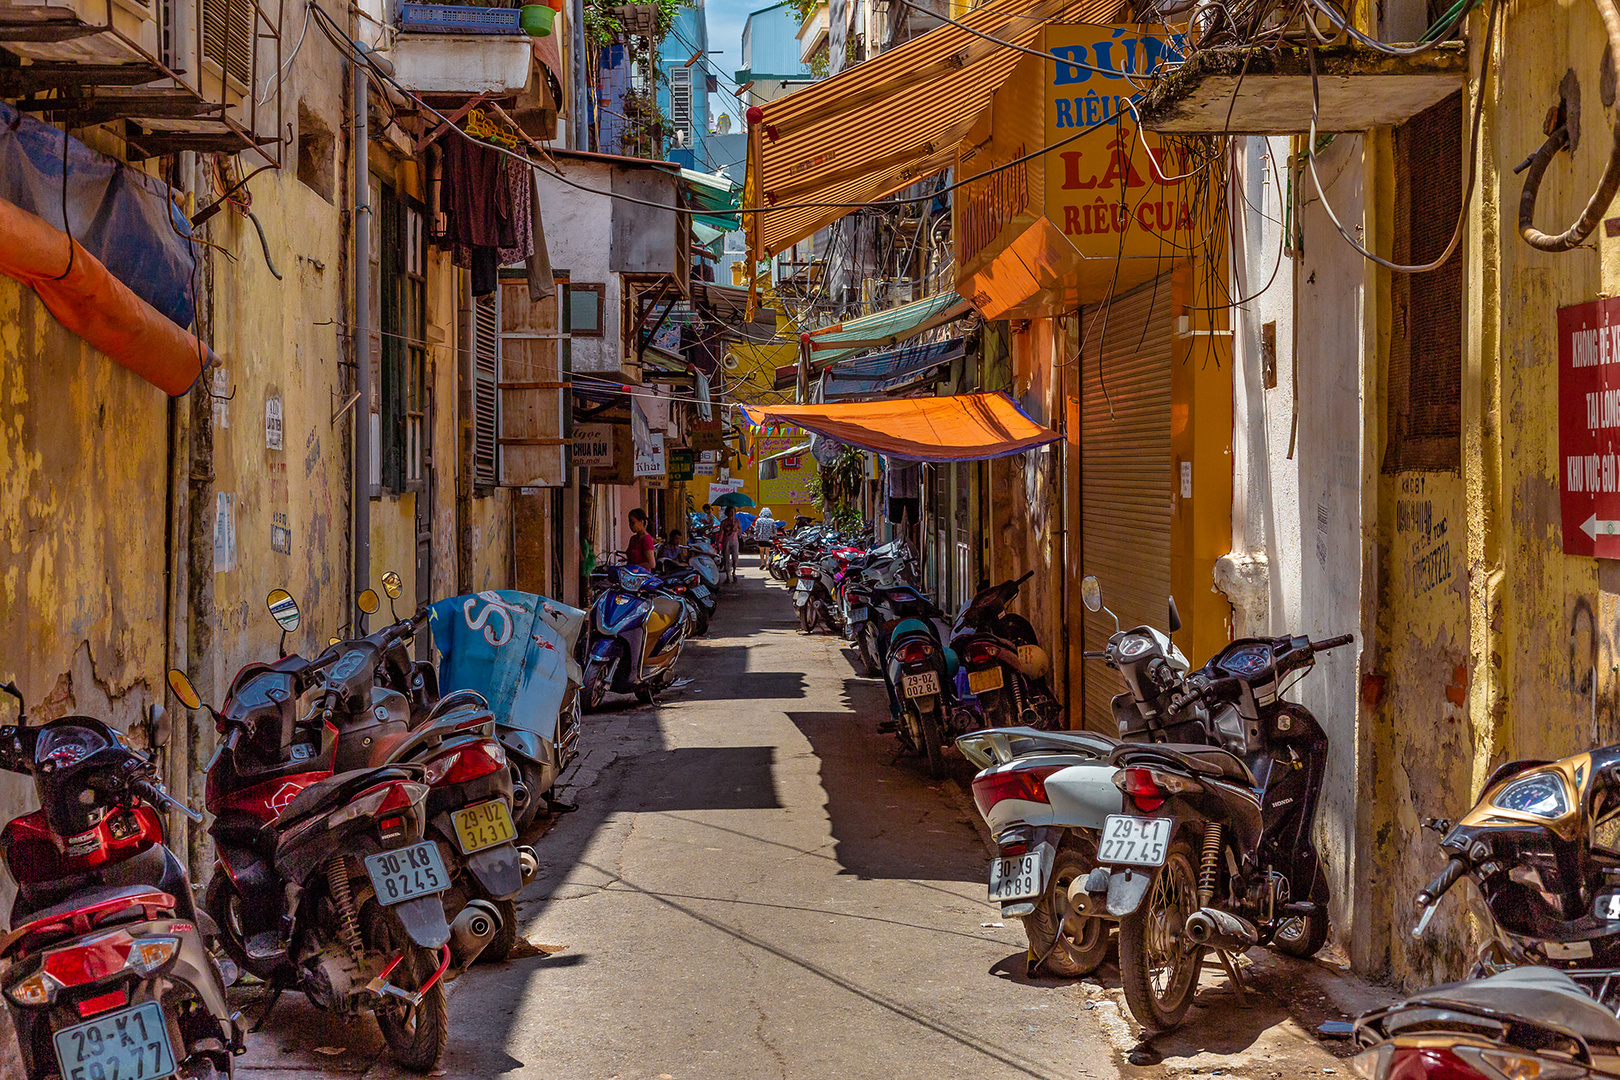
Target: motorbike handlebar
[1333,643]
[1443,881]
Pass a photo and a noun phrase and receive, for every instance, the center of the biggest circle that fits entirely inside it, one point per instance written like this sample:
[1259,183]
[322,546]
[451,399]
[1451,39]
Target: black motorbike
[107,973]
[1221,778]
[1006,666]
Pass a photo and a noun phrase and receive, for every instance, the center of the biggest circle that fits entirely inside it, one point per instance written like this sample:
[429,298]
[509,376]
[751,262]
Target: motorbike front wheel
[595,688]
[1081,948]
[1156,973]
[416,1034]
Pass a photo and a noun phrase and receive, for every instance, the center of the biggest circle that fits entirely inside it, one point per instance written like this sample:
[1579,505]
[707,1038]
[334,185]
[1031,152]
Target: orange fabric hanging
[963,427]
[97,306]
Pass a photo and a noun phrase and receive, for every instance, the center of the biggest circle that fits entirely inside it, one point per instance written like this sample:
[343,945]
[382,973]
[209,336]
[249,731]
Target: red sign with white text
[1589,427]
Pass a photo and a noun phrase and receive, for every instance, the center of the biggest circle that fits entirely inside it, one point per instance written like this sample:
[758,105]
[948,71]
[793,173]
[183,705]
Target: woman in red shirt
[642,545]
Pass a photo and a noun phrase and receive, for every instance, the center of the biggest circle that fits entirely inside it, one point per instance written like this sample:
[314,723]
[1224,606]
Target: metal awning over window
[884,124]
[893,371]
[883,329]
[963,427]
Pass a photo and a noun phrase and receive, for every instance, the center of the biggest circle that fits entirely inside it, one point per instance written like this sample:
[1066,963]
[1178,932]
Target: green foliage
[602,27]
[838,486]
[802,8]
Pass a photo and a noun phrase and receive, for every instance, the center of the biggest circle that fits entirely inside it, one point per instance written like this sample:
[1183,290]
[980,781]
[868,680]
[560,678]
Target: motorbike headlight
[1540,794]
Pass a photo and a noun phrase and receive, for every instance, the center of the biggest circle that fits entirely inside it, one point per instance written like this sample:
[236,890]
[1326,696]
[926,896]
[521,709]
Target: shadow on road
[720,673]
[706,778]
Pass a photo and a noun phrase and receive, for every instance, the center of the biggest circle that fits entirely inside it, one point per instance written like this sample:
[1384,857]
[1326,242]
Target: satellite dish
[723,125]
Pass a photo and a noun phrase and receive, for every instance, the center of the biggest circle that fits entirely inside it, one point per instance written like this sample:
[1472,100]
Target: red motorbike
[108,972]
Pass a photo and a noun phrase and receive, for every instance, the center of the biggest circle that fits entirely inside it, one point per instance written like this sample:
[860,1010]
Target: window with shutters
[1425,355]
[403,404]
[486,395]
[680,104]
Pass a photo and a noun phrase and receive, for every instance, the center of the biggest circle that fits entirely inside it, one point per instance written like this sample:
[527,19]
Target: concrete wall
[579,226]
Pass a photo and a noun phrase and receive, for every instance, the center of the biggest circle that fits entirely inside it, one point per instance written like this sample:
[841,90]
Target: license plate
[921,684]
[1134,841]
[1607,906]
[700,590]
[405,874]
[132,1044]
[988,679]
[801,598]
[483,826]
[857,614]
[1018,878]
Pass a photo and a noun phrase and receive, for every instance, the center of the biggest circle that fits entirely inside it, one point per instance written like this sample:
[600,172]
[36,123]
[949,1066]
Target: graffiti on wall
[1427,546]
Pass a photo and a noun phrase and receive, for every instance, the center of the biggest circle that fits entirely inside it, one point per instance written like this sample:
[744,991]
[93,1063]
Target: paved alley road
[753,886]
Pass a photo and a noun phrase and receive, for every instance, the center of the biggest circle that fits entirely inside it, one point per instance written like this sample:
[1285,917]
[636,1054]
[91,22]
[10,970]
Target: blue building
[692,92]
[771,65]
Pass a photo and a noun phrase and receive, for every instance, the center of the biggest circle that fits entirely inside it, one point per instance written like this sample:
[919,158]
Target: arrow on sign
[1592,526]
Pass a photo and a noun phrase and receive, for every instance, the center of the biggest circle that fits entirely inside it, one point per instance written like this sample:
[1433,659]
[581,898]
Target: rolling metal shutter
[1125,473]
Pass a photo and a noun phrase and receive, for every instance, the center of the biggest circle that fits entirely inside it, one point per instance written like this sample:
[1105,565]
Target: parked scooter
[1222,779]
[469,803]
[107,974]
[1006,666]
[324,880]
[1045,796]
[637,633]
[921,677]
[1530,1022]
[686,583]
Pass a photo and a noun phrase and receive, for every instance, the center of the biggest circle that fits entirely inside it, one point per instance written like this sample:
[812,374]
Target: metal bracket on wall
[345,407]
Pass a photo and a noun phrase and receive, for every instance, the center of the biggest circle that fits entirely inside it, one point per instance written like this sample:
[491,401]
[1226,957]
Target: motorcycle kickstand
[276,987]
[1232,973]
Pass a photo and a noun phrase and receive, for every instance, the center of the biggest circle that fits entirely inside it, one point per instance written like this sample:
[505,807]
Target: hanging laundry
[485,196]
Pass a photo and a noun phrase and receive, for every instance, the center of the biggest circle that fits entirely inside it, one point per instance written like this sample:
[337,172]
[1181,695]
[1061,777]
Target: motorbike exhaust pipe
[1217,929]
[528,863]
[472,929]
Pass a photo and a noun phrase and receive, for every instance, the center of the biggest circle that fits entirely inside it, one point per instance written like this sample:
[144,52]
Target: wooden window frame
[601,308]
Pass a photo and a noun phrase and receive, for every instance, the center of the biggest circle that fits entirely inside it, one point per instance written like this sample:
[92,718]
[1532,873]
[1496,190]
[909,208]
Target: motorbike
[1045,796]
[637,633]
[920,673]
[1006,666]
[107,973]
[325,880]
[685,582]
[1524,1023]
[1543,846]
[1221,778]
[702,557]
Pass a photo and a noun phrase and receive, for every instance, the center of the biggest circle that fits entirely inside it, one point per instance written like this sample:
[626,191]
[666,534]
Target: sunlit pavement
[756,885]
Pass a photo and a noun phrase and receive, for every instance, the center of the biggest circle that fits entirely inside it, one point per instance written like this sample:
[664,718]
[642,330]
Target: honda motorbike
[106,970]
[1006,666]
[1222,777]
[1530,1023]
[637,633]
[325,880]
[1045,796]
[921,678]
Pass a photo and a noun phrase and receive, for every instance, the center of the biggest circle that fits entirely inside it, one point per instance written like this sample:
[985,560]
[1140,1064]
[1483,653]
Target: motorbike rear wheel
[869,656]
[528,774]
[1157,975]
[928,722]
[1302,935]
[416,1034]
[806,616]
[500,946]
[1082,948]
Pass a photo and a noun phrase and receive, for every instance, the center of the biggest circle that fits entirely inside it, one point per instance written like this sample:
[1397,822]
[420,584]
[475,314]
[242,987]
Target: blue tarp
[515,648]
[890,371]
[121,215]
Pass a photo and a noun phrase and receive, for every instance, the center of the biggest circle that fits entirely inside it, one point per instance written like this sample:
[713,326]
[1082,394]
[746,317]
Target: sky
[726,18]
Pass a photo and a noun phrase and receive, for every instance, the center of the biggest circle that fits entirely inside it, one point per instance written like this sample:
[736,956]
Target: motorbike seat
[91,902]
[1198,758]
[457,699]
[1541,995]
[338,790]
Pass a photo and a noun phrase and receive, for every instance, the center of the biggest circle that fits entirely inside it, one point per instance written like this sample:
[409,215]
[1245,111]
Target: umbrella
[734,498]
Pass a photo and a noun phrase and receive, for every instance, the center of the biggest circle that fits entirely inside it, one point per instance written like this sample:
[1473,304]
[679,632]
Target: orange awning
[964,427]
[889,122]
[95,305]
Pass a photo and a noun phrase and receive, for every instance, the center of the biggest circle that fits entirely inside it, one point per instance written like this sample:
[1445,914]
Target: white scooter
[700,555]
[1045,796]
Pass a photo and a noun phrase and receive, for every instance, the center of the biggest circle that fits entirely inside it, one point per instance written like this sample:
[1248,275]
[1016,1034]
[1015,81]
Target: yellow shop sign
[1105,208]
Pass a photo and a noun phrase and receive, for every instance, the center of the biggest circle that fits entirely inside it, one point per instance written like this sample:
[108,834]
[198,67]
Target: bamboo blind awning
[887,123]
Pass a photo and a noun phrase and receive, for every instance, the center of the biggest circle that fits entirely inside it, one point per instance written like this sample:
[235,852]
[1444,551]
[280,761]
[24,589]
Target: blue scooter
[637,631]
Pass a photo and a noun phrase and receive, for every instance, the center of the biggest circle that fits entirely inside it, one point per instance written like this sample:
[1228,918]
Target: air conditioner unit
[133,23]
[228,37]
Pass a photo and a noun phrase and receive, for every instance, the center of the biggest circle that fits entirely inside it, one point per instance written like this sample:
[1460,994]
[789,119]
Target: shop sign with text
[1103,210]
[1589,427]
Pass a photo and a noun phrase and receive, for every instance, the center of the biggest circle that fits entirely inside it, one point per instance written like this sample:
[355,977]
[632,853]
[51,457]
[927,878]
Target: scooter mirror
[283,609]
[393,585]
[181,685]
[1091,593]
[368,601]
[158,727]
[1175,616]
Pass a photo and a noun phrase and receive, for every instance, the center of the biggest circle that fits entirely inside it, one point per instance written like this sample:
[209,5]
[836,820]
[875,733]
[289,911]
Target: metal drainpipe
[362,332]
[581,103]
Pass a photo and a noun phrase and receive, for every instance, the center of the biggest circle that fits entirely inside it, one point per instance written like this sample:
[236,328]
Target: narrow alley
[755,884]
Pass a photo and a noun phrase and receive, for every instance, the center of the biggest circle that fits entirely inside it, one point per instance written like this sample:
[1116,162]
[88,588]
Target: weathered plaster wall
[579,230]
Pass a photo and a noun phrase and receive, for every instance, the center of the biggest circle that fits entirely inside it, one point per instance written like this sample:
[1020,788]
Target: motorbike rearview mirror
[158,726]
[181,685]
[283,609]
[393,585]
[368,601]
[1175,616]
[1091,593]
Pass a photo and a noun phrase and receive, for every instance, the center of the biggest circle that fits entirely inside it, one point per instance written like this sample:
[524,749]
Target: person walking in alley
[642,546]
[764,533]
[730,543]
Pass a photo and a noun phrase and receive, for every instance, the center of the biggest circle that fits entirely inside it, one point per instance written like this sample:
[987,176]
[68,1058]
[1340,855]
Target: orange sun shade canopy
[95,305]
[964,427]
